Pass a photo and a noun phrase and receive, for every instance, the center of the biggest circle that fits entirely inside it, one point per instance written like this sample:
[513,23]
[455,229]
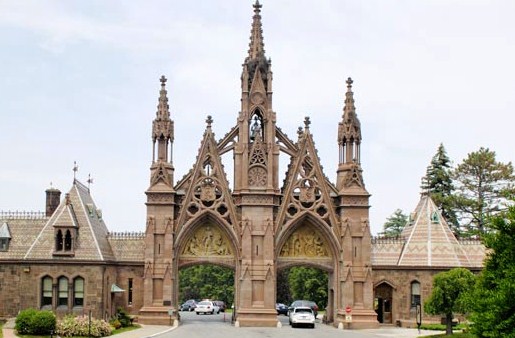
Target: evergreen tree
[492,302]
[450,294]
[394,224]
[438,183]
[483,186]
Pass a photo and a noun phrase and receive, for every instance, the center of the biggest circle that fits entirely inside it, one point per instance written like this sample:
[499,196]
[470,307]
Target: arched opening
[307,249]
[303,283]
[206,268]
[206,282]
[383,295]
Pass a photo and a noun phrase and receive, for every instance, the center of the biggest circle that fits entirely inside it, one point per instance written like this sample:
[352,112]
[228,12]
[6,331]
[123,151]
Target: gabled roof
[4,231]
[430,241]
[78,211]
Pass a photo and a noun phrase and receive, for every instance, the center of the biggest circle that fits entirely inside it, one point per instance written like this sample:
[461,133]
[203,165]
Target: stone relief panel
[208,240]
[305,242]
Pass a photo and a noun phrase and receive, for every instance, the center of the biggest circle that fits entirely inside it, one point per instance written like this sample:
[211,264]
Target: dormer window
[64,241]
[5,237]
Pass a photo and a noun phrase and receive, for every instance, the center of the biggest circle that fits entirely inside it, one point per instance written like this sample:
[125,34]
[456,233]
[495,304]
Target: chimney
[53,198]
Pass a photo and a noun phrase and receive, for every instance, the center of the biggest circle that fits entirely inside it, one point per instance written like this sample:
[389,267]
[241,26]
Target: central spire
[256,45]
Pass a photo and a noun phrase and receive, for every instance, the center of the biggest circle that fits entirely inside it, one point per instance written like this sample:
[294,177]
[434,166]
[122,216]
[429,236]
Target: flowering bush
[71,326]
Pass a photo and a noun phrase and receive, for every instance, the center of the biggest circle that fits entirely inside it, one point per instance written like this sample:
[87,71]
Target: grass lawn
[1,333]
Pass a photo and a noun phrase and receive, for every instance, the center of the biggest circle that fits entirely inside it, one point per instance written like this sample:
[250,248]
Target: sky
[79,81]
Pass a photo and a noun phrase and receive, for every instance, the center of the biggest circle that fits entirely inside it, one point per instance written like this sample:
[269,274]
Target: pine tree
[483,188]
[438,183]
[394,224]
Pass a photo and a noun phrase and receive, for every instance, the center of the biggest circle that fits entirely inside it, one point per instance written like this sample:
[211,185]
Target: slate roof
[79,211]
[23,233]
[427,241]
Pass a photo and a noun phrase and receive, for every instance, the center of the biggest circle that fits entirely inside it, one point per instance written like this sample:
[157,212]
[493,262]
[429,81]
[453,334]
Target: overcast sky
[79,81]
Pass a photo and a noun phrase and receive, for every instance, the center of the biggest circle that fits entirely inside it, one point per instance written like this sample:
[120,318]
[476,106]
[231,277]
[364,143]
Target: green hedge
[31,321]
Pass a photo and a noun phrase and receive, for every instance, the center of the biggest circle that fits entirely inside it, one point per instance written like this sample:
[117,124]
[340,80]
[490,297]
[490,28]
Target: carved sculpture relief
[305,242]
[208,240]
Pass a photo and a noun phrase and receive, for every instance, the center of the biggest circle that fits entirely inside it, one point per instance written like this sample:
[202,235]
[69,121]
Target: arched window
[415,294]
[62,298]
[59,241]
[256,127]
[68,241]
[46,291]
[78,291]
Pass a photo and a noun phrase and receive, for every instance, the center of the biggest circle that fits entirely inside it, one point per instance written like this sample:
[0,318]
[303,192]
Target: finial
[349,84]
[299,132]
[75,169]
[163,80]
[90,180]
[307,122]
[209,121]
[257,7]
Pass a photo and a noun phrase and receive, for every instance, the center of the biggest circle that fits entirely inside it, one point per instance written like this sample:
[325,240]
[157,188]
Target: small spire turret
[256,45]
[349,130]
[162,127]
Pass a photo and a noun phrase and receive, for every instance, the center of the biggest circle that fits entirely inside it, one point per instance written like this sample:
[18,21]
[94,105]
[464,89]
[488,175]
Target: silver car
[207,306]
[302,315]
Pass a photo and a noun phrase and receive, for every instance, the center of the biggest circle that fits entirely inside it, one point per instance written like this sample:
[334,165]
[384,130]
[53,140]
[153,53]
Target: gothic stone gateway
[259,227]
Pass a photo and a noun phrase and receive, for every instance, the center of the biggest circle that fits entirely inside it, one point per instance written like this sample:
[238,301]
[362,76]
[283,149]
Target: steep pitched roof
[430,241]
[23,231]
[79,211]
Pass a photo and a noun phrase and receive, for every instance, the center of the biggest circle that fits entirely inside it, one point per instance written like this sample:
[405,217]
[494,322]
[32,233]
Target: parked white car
[302,315]
[207,306]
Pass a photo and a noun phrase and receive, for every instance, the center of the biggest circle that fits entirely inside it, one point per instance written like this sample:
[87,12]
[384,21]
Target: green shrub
[23,321]
[31,321]
[79,326]
[43,323]
[115,323]
[123,317]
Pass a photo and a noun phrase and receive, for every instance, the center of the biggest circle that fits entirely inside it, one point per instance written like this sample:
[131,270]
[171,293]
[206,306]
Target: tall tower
[158,282]
[256,184]
[353,209]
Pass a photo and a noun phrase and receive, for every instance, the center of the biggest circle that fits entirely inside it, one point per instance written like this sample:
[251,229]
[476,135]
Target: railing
[126,235]
[388,240]
[22,214]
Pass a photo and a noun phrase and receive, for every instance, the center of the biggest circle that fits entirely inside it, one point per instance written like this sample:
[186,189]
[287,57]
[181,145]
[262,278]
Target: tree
[206,281]
[310,284]
[449,294]
[394,224]
[438,183]
[492,305]
[283,288]
[483,186]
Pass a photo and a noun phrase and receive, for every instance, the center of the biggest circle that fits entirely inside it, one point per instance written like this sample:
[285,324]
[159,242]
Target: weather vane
[90,180]
[75,169]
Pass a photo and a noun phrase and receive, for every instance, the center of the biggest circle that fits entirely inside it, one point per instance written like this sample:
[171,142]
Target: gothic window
[68,241]
[256,128]
[59,241]
[62,298]
[78,291]
[415,294]
[129,299]
[46,291]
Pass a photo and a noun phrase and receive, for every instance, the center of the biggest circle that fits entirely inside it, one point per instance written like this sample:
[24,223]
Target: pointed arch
[219,242]
[307,219]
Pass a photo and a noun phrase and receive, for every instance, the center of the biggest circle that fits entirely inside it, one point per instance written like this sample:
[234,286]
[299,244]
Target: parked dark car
[281,309]
[307,303]
[189,305]
[221,305]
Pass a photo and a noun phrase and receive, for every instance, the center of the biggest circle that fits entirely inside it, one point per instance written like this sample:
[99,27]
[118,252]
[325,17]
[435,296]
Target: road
[218,326]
